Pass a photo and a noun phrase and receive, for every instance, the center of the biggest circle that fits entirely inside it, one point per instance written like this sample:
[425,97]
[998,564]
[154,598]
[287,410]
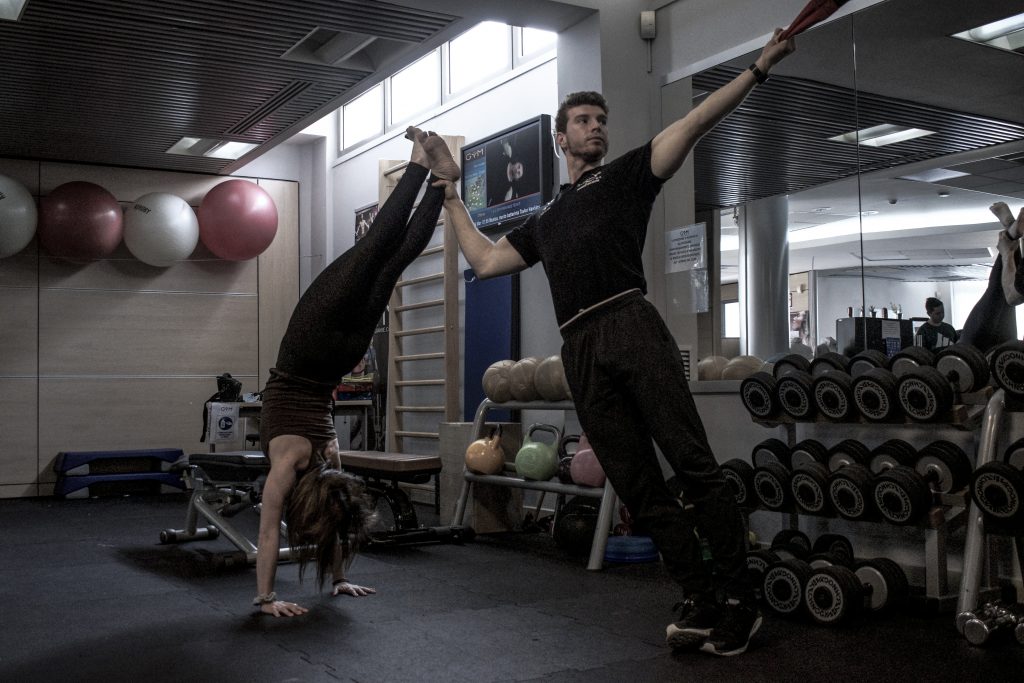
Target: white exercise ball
[160,229]
[18,217]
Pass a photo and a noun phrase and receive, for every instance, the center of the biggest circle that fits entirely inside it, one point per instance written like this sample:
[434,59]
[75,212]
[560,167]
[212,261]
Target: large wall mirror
[885,139]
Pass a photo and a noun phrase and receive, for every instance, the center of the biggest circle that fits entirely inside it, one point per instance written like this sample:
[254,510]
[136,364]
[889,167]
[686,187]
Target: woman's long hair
[327,506]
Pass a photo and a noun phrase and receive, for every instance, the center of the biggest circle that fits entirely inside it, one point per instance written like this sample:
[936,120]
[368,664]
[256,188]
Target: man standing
[934,334]
[621,361]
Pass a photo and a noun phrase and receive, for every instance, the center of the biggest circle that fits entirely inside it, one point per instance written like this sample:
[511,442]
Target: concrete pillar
[764,277]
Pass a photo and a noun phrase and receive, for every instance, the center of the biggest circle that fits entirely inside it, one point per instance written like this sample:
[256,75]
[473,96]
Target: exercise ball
[18,217]
[522,379]
[160,229]
[576,524]
[741,367]
[237,220]
[549,379]
[496,383]
[80,221]
[710,368]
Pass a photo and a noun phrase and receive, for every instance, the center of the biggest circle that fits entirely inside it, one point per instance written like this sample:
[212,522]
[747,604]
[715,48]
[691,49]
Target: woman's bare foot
[442,164]
[419,155]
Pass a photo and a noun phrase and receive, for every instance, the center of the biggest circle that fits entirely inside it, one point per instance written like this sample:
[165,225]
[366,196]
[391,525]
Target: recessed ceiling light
[934,175]
[211,147]
[879,136]
[944,194]
[1005,34]
[10,10]
[822,209]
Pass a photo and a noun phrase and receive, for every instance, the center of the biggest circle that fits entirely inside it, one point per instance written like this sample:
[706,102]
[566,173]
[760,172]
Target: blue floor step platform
[81,474]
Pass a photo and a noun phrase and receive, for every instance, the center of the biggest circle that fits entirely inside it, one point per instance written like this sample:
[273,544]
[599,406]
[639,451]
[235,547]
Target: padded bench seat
[390,463]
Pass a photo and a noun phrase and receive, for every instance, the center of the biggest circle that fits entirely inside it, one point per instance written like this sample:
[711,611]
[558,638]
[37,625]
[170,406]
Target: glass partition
[886,137]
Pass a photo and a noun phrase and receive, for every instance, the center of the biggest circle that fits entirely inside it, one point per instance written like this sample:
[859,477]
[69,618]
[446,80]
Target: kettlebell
[484,456]
[584,468]
[536,459]
[565,457]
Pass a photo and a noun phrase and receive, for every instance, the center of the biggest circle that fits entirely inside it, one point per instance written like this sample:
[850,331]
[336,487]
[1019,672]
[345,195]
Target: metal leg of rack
[974,546]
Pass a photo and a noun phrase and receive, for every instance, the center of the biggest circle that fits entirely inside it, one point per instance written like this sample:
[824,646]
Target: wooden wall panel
[19,331]
[115,354]
[127,184]
[86,414]
[99,332]
[278,273]
[25,172]
[202,272]
[18,430]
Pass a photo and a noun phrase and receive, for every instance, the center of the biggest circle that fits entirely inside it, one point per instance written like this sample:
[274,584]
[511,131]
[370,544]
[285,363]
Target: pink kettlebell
[584,469]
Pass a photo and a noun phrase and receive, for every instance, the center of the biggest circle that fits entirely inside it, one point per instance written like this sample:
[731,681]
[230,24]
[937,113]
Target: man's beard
[588,154]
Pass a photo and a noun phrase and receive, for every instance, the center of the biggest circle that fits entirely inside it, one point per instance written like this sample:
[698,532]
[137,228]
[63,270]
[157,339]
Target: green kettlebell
[536,459]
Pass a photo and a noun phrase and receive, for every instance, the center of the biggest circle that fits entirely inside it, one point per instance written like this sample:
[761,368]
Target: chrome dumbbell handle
[986,611]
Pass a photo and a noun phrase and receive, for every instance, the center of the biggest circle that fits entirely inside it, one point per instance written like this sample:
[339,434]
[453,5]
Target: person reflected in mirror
[993,320]
[934,334]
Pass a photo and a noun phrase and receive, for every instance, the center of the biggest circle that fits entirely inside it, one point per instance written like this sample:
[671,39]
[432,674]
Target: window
[732,318]
[416,88]
[480,52]
[534,41]
[363,117]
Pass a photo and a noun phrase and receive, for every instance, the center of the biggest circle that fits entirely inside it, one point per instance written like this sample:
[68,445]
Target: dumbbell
[874,394]
[783,587]
[836,545]
[795,393]
[789,363]
[867,360]
[927,393]
[890,453]
[759,396]
[833,395]
[992,619]
[849,490]
[790,543]
[829,362]
[809,479]
[835,594]
[997,487]
[903,494]
[739,474]
[1006,363]
[758,562]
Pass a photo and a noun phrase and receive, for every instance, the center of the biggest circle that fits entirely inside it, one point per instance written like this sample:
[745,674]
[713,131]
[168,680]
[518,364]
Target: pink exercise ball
[80,221]
[160,229]
[237,220]
[18,216]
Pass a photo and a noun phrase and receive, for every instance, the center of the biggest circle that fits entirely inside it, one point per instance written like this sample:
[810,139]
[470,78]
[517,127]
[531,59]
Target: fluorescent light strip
[1005,34]
[211,147]
[879,136]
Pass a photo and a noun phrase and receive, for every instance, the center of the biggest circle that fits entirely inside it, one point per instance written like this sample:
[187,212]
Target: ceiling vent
[344,49]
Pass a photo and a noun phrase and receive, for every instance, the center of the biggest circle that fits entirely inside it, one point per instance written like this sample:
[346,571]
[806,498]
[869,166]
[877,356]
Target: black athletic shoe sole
[714,648]
[686,639]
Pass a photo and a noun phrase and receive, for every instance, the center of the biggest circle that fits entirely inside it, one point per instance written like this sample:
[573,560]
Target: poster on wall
[364,218]
[686,248]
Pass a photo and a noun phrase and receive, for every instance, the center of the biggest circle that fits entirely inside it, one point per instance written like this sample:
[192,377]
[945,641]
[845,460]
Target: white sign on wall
[686,248]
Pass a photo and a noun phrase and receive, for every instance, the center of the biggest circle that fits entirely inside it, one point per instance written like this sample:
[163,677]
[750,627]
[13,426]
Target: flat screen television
[508,175]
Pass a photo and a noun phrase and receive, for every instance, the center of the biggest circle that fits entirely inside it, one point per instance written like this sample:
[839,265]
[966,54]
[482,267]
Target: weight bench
[224,484]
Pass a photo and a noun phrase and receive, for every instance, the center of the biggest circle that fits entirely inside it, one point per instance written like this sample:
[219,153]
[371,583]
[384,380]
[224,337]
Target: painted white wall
[836,294]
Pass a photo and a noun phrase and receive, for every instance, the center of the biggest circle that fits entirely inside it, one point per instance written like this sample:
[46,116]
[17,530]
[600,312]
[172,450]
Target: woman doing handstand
[326,510]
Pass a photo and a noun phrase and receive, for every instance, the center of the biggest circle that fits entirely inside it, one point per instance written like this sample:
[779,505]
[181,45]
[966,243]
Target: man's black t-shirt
[935,337]
[590,237]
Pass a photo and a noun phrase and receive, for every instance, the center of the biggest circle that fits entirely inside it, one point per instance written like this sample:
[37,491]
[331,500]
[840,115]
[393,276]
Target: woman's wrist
[341,580]
[265,599]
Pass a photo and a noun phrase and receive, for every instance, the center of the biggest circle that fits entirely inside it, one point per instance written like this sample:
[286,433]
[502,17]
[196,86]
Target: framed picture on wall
[364,217]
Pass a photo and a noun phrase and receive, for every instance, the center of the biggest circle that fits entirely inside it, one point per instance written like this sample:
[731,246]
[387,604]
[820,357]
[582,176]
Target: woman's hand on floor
[347,588]
[282,608]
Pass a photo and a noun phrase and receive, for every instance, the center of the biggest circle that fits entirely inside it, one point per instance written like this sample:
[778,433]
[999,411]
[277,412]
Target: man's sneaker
[696,621]
[733,632]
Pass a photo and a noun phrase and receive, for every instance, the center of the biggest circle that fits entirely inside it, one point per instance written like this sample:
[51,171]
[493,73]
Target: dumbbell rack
[975,545]
[510,479]
[947,509]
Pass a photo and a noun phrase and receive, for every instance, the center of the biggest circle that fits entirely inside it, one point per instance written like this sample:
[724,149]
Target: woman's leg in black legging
[992,321]
[334,320]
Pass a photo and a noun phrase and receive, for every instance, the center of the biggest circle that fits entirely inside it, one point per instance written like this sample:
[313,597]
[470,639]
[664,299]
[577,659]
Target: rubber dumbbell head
[890,453]
[809,488]
[907,359]
[867,360]
[771,450]
[740,476]
[808,451]
[849,489]
[771,483]
[833,395]
[924,394]
[1006,364]
[874,394]
[795,392]
[783,586]
[836,545]
[964,366]
[759,397]
[790,363]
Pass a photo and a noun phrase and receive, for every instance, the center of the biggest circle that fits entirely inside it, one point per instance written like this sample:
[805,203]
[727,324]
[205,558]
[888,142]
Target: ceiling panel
[113,82]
